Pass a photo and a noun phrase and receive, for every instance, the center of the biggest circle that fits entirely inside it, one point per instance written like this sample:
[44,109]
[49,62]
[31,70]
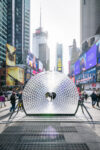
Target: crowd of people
[15,99]
[95,97]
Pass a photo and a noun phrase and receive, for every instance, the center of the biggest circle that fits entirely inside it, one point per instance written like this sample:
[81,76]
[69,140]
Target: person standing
[98,97]
[20,102]
[94,98]
[2,99]
[13,101]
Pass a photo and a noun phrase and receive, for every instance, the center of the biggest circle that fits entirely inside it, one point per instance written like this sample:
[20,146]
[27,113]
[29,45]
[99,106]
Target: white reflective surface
[35,101]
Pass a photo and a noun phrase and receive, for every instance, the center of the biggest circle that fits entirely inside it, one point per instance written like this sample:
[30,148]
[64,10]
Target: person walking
[85,95]
[94,98]
[13,101]
[2,99]
[20,102]
[98,97]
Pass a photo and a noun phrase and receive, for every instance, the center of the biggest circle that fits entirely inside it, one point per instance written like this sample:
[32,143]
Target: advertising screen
[72,70]
[59,64]
[91,59]
[98,50]
[87,77]
[83,62]
[77,67]
[30,59]
[14,74]
[10,55]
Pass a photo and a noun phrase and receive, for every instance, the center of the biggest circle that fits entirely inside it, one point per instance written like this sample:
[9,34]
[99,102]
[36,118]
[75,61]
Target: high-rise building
[19,27]
[40,47]
[59,58]
[3,30]
[89,18]
[74,52]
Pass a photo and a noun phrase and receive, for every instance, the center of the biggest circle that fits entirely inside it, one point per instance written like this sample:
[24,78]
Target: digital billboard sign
[32,61]
[59,64]
[72,70]
[10,55]
[14,74]
[77,67]
[87,77]
[83,63]
[91,58]
[98,50]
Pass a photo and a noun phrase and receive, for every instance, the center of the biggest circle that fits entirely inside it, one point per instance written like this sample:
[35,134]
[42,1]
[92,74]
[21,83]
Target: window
[84,2]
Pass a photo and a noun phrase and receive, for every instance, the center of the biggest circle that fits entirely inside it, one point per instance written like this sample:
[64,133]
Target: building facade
[3,30]
[89,18]
[40,48]
[74,52]
[18,27]
[86,69]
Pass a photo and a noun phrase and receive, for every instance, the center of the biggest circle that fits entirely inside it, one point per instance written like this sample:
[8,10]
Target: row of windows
[2,57]
[3,32]
[3,45]
[3,20]
[3,38]
[3,28]
[3,41]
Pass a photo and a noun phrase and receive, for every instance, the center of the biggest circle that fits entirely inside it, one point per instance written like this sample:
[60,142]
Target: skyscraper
[90,18]
[59,58]
[19,27]
[3,30]
[40,48]
[74,52]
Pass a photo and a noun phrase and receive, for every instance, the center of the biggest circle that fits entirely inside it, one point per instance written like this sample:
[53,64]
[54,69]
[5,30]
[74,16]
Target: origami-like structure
[50,93]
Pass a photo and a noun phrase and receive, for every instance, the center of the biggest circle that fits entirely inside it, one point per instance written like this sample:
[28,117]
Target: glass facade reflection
[3,30]
[19,27]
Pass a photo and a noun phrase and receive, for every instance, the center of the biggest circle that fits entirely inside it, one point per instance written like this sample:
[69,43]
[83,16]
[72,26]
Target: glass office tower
[3,30]
[19,27]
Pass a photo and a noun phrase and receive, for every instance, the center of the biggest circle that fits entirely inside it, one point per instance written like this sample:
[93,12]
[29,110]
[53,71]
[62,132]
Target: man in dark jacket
[13,101]
[94,98]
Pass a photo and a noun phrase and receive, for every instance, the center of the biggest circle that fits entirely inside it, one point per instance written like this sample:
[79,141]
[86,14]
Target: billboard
[13,75]
[72,70]
[83,63]
[10,55]
[59,64]
[88,76]
[91,59]
[77,67]
[32,61]
[28,76]
[98,50]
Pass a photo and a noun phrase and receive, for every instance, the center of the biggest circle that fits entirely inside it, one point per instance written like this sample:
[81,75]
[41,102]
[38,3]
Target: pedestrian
[20,102]
[2,99]
[85,96]
[13,101]
[94,98]
[98,97]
